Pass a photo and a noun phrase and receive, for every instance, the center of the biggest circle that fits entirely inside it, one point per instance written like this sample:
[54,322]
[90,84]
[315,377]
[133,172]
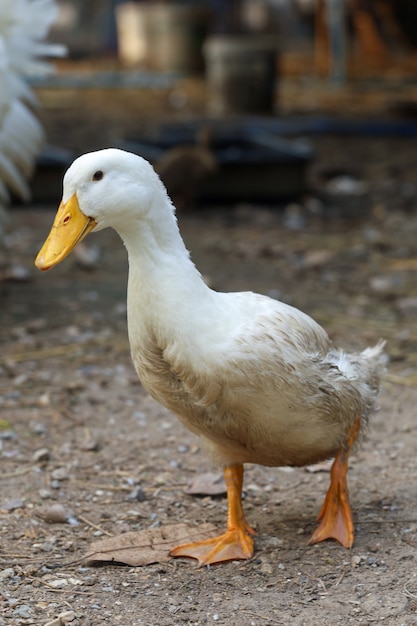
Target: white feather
[24,24]
[13,178]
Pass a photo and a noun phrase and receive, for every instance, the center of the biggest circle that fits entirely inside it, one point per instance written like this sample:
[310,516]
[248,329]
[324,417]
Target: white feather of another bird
[24,24]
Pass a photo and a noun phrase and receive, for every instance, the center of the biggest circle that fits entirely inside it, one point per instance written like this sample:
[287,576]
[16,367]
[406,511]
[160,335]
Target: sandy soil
[76,428]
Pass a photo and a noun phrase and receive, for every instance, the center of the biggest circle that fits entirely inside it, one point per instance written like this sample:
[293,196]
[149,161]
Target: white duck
[256,379]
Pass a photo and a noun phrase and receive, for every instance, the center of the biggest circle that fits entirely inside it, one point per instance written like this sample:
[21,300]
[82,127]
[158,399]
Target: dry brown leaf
[147,546]
[207,484]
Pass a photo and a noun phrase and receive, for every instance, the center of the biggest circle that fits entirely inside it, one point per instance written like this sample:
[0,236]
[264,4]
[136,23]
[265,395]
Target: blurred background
[235,90]
[224,76]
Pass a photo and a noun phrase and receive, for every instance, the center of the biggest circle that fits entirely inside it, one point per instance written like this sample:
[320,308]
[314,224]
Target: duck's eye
[98,175]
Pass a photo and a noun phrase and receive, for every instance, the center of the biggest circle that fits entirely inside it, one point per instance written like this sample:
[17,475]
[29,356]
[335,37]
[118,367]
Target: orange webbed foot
[336,516]
[232,545]
[236,542]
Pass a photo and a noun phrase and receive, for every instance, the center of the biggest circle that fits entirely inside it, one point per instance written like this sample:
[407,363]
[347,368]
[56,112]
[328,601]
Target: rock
[11,505]
[58,583]
[347,196]
[41,456]
[137,494]
[357,560]
[44,400]
[44,494]
[24,611]
[55,514]
[90,445]
[39,428]
[7,573]
[266,568]
[8,435]
[66,617]
[386,285]
[61,473]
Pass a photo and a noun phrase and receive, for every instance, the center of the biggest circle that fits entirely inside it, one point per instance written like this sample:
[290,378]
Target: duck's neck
[165,289]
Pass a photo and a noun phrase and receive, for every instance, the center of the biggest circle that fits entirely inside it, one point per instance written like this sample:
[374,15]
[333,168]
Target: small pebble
[7,573]
[12,505]
[8,434]
[41,456]
[90,445]
[44,400]
[134,513]
[357,559]
[24,611]
[55,514]
[20,380]
[266,568]
[373,547]
[44,494]
[39,428]
[59,583]
[60,473]
[137,494]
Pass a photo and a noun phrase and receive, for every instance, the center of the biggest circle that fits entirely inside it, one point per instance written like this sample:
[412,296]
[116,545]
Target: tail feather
[376,352]
[376,360]
[362,371]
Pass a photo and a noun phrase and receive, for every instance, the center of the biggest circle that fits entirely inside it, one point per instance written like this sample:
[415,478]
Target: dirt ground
[77,429]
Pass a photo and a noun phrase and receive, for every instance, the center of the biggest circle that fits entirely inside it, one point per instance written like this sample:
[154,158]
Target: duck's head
[105,188]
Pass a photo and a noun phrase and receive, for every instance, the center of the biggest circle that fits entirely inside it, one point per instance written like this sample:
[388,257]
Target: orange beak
[69,228]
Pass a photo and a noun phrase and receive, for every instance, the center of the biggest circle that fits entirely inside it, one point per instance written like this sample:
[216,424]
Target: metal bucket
[162,37]
[241,73]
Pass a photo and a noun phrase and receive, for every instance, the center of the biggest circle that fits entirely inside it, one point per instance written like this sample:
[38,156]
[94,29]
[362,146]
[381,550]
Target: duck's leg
[236,542]
[336,516]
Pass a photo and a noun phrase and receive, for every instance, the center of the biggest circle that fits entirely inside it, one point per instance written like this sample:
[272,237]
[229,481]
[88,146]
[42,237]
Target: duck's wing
[250,342]
[269,330]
